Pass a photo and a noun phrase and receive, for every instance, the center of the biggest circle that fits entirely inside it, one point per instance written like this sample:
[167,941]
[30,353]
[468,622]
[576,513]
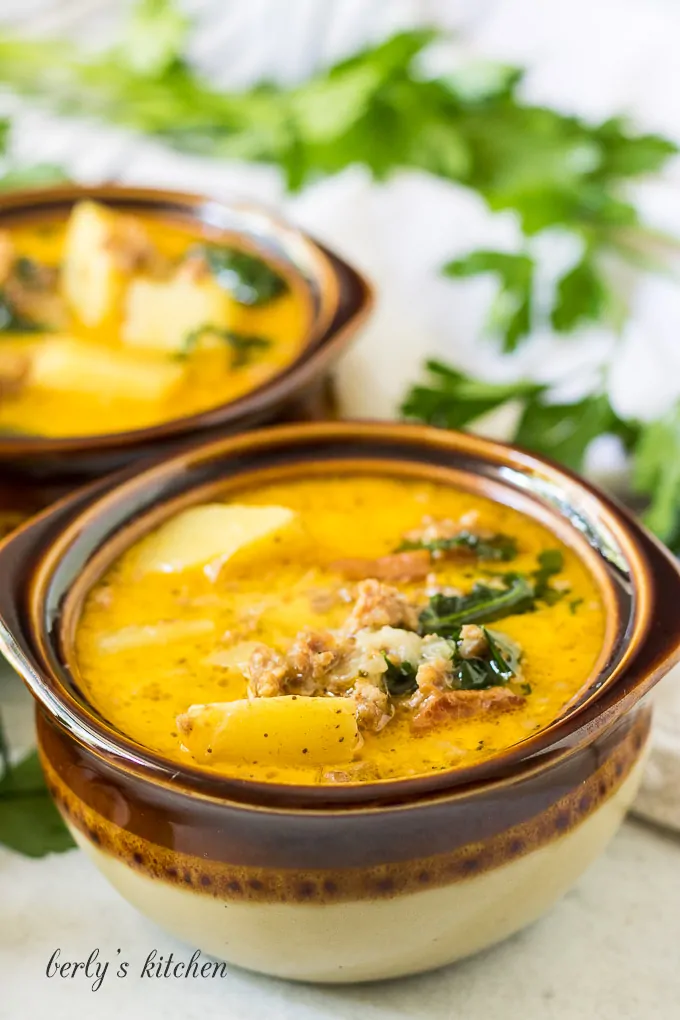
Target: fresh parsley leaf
[582,296]
[656,475]
[29,821]
[35,176]
[497,547]
[564,431]
[155,37]
[399,677]
[249,279]
[625,154]
[451,399]
[446,614]
[512,309]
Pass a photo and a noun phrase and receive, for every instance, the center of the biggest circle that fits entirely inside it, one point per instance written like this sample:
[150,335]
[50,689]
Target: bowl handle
[661,650]
[19,553]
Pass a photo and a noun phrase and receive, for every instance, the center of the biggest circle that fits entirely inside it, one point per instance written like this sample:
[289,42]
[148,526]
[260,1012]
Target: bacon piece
[404,566]
[455,706]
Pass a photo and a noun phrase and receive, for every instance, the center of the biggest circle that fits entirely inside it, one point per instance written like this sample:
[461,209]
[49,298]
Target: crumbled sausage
[434,675]
[312,654]
[404,566]
[373,706]
[441,706]
[473,643]
[266,673]
[379,605]
[131,248]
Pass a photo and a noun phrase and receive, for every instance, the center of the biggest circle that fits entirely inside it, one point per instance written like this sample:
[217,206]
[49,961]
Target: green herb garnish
[446,614]
[249,279]
[498,547]
[243,347]
[496,669]
[29,821]
[550,562]
[399,677]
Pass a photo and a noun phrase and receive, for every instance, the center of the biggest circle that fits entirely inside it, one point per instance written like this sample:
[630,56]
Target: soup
[111,322]
[339,629]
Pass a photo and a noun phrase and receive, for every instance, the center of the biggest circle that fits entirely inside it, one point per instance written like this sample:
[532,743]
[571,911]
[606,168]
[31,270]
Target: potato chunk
[93,279]
[207,536]
[291,730]
[160,315]
[137,636]
[74,366]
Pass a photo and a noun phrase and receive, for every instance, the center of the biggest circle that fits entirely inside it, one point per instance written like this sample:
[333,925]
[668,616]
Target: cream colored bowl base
[372,939]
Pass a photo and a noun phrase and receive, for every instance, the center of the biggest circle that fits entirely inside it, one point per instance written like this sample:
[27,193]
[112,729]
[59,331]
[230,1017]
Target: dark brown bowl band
[42,566]
[342,300]
[239,853]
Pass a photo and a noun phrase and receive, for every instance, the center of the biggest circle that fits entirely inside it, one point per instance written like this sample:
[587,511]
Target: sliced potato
[136,636]
[160,315]
[93,281]
[293,729]
[75,366]
[236,657]
[207,536]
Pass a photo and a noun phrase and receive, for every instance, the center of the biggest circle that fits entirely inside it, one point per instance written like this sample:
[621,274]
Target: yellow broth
[272,591]
[208,378]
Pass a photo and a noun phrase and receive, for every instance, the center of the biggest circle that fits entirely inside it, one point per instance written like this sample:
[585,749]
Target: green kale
[243,347]
[550,562]
[249,279]
[500,547]
[399,677]
[446,614]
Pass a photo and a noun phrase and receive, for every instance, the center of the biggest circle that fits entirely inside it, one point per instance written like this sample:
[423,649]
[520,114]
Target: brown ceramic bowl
[350,882]
[35,468]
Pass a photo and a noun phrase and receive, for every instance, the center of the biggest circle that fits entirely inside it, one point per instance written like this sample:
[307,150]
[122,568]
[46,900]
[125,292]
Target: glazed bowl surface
[336,299]
[311,883]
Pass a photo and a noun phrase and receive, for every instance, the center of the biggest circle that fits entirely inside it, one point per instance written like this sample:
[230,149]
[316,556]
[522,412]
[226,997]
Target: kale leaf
[399,677]
[499,547]
[243,347]
[446,614]
[249,279]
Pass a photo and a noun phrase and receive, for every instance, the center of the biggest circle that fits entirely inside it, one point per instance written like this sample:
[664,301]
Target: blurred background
[592,58]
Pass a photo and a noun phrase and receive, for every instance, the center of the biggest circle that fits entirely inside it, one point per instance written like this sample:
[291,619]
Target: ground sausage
[454,706]
[379,605]
[403,566]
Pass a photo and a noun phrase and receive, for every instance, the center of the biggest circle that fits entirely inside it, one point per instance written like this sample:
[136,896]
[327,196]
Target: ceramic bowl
[338,299]
[352,882]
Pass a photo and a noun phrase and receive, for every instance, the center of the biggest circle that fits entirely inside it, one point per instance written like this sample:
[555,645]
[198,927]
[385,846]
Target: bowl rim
[322,341]
[553,742]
